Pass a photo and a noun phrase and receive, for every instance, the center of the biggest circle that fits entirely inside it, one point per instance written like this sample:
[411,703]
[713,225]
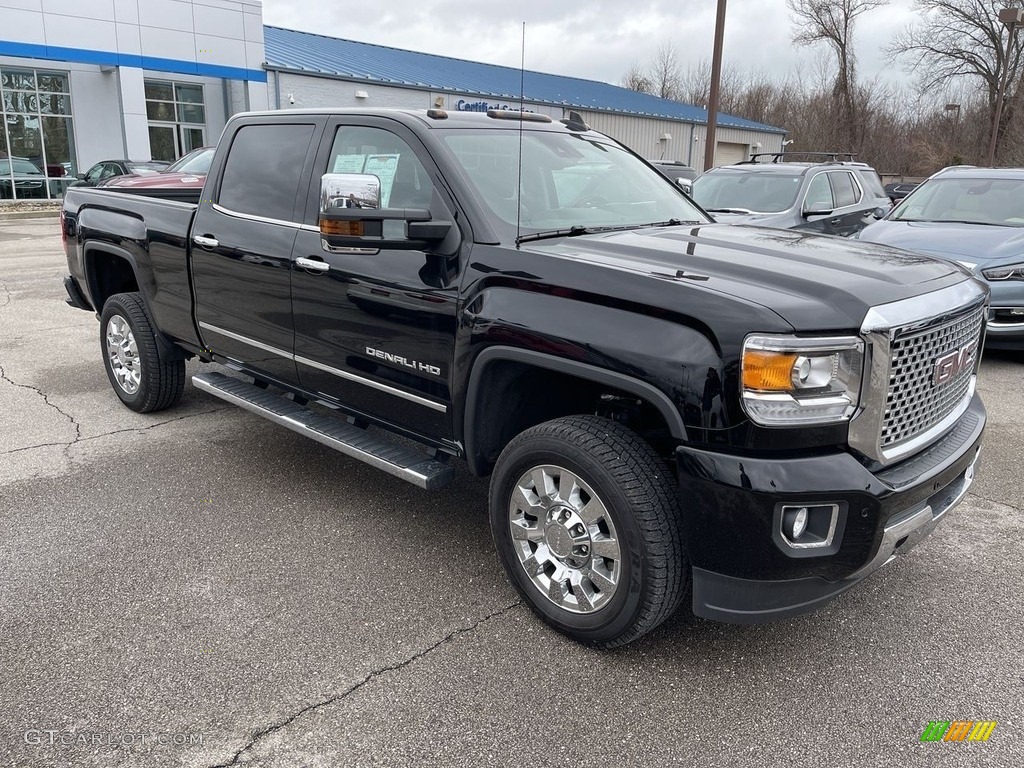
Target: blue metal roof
[333,57]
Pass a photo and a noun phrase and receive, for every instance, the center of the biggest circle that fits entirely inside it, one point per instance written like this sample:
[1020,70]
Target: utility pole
[1012,18]
[716,77]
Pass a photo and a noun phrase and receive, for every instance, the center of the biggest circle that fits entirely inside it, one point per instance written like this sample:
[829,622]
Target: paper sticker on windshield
[383,167]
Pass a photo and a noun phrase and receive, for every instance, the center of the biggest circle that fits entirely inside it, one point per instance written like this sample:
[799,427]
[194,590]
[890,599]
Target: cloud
[597,40]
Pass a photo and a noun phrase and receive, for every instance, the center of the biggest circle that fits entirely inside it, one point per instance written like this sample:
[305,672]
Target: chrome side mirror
[349,190]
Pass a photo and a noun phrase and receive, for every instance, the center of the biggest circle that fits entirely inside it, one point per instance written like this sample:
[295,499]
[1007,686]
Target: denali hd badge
[433,370]
[949,365]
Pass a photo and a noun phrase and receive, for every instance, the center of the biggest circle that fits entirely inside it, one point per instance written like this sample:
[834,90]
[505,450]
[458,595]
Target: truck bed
[152,234]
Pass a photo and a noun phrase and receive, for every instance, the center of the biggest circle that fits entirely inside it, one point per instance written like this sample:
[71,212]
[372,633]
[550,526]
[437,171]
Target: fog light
[799,523]
[807,526]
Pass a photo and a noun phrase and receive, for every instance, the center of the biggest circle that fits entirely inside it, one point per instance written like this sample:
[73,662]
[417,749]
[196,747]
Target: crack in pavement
[81,439]
[356,686]
[57,408]
[1014,507]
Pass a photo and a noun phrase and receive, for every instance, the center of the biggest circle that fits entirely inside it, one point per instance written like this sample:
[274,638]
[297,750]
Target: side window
[109,170]
[870,181]
[819,194]
[844,188]
[93,174]
[404,182]
[264,169]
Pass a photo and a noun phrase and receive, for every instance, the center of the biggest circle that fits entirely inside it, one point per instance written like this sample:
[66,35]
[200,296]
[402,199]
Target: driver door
[375,328]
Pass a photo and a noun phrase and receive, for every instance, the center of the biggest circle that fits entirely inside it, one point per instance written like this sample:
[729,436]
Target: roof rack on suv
[778,157]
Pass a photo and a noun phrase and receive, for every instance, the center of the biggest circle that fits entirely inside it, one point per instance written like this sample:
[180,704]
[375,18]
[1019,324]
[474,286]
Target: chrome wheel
[564,538]
[123,355]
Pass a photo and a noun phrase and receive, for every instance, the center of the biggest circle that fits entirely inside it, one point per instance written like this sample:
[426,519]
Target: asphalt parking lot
[199,587]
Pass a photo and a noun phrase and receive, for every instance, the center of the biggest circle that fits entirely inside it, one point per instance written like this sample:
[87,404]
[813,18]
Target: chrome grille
[914,403]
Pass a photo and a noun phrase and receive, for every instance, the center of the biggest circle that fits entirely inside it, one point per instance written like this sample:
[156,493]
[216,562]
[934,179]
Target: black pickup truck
[669,409]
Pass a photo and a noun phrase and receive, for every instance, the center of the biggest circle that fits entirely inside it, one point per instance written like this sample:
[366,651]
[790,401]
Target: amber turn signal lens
[771,371]
[334,227]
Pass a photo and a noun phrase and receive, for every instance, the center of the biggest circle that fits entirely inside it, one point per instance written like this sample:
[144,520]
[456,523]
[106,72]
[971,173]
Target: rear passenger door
[242,240]
[848,216]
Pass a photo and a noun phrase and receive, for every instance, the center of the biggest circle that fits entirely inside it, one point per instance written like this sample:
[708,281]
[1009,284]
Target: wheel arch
[110,269]
[483,444]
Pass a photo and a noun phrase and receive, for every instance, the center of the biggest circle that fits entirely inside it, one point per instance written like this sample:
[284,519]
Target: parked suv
[828,194]
[975,218]
[681,173]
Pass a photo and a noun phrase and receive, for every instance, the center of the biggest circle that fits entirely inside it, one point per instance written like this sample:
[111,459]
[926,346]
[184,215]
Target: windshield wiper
[672,223]
[727,210]
[956,221]
[572,231]
[578,229]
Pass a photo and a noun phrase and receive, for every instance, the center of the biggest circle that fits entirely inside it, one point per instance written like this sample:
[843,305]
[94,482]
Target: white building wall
[109,47]
[769,142]
[96,110]
[299,91]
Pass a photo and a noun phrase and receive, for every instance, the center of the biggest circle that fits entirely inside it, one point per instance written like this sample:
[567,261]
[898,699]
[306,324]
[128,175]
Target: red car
[182,180]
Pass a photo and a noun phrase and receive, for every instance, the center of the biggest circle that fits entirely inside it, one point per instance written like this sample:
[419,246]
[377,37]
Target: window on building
[37,140]
[177,118]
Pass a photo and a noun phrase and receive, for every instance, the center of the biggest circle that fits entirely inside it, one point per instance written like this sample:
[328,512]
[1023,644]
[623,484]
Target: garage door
[727,153]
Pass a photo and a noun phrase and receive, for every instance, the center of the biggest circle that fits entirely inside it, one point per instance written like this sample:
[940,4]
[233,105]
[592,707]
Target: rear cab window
[263,172]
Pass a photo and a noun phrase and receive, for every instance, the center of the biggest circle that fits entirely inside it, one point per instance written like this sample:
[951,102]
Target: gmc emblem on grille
[951,364]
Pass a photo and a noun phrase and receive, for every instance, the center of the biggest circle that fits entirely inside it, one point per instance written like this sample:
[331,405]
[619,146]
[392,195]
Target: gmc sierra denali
[668,408]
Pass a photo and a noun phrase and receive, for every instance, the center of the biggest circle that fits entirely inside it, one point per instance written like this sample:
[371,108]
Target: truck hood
[813,282]
[976,243]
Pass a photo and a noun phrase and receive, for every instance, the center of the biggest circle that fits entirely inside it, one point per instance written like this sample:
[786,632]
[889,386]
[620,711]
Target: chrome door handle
[204,241]
[319,266]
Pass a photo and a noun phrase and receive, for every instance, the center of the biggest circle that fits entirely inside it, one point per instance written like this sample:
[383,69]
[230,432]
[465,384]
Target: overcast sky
[596,40]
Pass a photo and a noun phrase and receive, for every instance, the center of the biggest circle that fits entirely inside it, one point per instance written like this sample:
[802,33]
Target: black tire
[639,495]
[149,380]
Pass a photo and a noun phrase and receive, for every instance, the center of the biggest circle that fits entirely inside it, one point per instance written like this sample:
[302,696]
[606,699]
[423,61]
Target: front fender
[663,362]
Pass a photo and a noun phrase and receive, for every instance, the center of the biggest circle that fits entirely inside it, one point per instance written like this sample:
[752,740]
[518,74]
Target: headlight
[1011,272]
[788,381]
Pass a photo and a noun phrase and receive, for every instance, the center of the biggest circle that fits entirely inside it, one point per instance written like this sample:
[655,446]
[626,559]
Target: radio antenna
[519,172]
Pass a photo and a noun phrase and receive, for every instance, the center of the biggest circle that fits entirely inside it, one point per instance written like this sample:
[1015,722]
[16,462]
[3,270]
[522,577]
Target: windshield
[19,167]
[976,201]
[145,169]
[197,161]
[746,191]
[568,180]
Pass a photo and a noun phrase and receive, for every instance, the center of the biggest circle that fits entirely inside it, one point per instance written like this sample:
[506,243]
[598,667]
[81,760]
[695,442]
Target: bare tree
[664,72]
[636,79]
[964,39]
[904,132]
[831,22]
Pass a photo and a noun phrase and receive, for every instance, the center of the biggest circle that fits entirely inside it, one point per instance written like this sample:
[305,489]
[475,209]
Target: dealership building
[82,81]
